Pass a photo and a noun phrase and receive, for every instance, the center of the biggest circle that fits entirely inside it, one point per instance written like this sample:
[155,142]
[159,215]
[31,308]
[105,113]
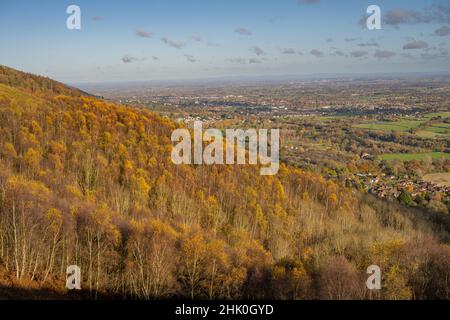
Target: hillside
[35,84]
[91,183]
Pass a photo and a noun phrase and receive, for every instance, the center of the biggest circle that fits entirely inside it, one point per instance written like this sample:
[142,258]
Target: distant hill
[35,84]
[91,183]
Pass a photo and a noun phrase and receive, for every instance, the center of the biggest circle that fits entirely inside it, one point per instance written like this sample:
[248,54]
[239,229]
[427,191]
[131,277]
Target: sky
[191,39]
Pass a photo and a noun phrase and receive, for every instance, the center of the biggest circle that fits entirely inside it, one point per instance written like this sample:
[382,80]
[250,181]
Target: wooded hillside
[87,182]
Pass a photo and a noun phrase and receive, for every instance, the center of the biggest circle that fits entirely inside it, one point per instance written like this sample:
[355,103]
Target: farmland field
[401,126]
[434,130]
[441,128]
[440,179]
[438,114]
[425,134]
[413,156]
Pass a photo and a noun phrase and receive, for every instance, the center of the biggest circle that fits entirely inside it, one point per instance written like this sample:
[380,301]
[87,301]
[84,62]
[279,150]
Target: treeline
[91,183]
[35,84]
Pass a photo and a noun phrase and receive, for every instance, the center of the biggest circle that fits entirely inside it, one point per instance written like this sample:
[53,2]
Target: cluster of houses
[390,186]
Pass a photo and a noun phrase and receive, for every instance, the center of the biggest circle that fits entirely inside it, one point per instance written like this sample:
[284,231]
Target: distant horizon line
[260,78]
[247,78]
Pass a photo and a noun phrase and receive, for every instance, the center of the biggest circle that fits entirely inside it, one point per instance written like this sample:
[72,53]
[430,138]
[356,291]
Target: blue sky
[187,39]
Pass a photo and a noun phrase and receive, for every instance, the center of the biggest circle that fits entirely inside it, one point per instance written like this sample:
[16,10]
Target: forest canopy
[91,183]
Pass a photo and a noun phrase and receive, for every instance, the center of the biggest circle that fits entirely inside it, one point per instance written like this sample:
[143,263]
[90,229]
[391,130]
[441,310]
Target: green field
[441,128]
[439,114]
[413,156]
[401,126]
[425,134]
[432,131]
